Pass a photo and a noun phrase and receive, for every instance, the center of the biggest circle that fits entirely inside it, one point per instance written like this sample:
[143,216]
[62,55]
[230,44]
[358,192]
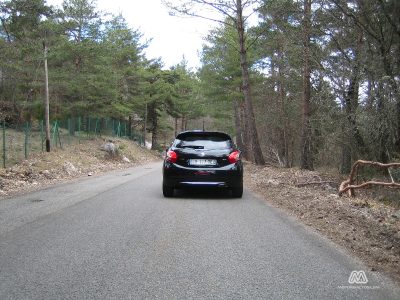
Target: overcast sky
[173,37]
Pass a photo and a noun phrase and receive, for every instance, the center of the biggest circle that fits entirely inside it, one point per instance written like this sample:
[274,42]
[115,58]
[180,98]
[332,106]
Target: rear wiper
[193,146]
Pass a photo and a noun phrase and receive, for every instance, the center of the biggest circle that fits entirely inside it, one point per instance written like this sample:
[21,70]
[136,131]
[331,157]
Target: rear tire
[237,192]
[168,191]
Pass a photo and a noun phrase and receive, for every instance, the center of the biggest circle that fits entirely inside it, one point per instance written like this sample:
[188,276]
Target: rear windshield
[203,142]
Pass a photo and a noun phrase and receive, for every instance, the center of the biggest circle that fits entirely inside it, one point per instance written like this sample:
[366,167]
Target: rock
[125,159]
[272,182]
[396,214]
[69,168]
[90,174]
[47,174]
[110,148]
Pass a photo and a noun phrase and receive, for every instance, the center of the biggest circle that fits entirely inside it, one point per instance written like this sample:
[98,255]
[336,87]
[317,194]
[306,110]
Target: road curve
[115,237]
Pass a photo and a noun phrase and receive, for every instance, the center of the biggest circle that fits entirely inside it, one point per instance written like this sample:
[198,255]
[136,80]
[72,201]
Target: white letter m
[358,277]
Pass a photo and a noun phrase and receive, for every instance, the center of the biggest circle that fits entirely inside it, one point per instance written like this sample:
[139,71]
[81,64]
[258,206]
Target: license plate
[202,162]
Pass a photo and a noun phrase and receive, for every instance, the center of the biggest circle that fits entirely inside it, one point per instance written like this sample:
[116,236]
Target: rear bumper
[176,176]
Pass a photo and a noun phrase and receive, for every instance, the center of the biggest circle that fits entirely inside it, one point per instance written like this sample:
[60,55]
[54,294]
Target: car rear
[203,159]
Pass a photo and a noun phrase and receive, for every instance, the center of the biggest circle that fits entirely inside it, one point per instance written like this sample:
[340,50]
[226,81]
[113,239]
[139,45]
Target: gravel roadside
[365,226]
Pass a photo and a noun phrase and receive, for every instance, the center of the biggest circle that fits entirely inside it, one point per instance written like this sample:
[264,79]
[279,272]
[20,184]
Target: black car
[203,159]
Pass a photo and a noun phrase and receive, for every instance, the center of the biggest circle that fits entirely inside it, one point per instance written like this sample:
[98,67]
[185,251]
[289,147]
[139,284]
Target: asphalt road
[116,237]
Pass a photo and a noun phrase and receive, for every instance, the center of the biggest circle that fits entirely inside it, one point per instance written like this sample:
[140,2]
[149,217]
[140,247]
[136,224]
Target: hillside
[73,161]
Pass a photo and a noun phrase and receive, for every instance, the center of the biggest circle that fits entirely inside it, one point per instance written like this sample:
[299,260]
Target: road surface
[115,237]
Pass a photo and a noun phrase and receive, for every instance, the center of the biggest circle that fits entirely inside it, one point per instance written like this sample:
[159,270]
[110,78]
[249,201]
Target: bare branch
[356,19]
[253,42]
[369,183]
[209,19]
[391,22]
[183,9]
[347,185]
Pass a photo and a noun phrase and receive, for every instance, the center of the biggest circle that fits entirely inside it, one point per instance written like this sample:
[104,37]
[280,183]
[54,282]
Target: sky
[172,37]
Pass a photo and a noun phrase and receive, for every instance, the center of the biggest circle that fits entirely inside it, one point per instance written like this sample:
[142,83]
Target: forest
[312,83]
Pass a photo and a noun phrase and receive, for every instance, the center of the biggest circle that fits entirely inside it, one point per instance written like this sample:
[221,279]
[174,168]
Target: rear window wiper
[192,146]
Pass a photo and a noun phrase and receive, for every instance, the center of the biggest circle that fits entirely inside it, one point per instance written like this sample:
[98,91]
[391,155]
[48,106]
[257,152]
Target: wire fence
[19,141]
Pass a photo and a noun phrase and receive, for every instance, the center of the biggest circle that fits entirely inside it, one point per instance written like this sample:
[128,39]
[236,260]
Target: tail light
[172,156]
[234,157]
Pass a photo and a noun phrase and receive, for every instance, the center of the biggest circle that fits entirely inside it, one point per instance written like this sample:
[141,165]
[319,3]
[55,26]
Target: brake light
[234,157]
[172,156]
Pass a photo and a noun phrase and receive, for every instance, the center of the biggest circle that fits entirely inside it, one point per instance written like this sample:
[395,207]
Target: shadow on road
[202,193]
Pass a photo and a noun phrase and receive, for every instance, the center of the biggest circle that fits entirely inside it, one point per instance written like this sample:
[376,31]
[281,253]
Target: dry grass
[72,161]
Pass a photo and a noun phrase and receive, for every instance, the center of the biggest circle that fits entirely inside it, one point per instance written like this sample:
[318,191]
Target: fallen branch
[369,183]
[348,186]
[344,185]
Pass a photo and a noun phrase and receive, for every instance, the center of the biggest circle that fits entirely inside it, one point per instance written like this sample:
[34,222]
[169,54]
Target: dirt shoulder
[73,161]
[365,226]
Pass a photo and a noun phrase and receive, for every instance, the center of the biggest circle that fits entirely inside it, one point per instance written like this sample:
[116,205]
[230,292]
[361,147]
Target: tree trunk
[46,100]
[255,154]
[154,129]
[283,143]
[306,142]
[393,82]
[145,126]
[370,99]
[354,143]
[176,127]
[397,142]
[243,124]
[183,123]
[345,165]
[382,154]
[130,126]
[238,127]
